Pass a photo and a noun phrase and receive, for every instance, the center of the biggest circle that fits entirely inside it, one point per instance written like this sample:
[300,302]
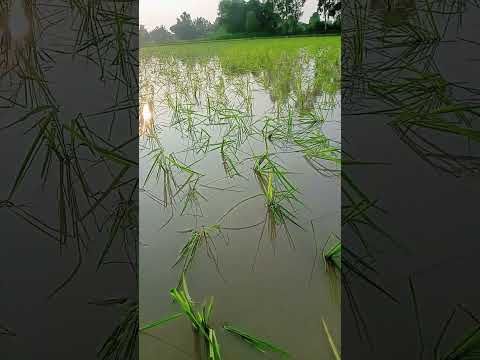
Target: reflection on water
[146,117]
[235,194]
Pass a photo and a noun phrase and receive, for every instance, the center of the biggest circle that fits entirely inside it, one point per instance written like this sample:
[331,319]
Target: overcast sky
[165,12]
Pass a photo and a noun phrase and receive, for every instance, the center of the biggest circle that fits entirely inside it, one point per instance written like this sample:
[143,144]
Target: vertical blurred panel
[410,128]
[69,184]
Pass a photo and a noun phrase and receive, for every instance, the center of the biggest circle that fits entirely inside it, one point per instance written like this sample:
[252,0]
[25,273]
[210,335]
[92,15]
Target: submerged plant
[201,324]
[259,344]
[199,318]
[203,236]
[277,190]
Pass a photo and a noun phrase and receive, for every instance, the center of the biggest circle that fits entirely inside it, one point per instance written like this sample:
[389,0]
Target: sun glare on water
[147,114]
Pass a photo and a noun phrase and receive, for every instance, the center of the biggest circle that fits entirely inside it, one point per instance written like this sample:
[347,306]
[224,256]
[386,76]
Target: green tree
[252,25]
[202,27]
[232,15]
[329,8]
[315,23]
[269,19]
[160,34]
[289,11]
[184,29]
[142,35]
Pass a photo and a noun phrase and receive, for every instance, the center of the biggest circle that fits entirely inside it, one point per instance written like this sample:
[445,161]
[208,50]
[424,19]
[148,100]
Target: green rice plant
[228,155]
[161,322]
[277,190]
[122,343]
[335,352]
[267,170]
[468,347]
[334,255]
[203,236]
[192,199]
[200,319]
[259,344]
[162,166]
[201,324]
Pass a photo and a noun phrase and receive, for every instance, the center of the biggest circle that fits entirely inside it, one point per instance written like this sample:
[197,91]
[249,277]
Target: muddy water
[273,288]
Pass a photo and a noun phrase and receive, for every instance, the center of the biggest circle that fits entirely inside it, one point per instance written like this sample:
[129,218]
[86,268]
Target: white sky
[165,12]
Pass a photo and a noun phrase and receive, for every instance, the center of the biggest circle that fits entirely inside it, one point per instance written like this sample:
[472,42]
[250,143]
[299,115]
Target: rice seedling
[335,352]
[277,213]
[161,322]
[163,166]
[467,347]
[271,173]
[228,159]
[259,344]
[123,341]
[203,236]
[200,319]
[192,199]
[334,255]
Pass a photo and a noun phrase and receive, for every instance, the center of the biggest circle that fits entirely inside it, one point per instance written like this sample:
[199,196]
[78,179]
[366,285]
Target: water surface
[206,122]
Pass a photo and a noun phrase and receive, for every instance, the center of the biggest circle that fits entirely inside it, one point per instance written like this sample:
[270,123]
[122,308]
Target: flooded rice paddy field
[240,197]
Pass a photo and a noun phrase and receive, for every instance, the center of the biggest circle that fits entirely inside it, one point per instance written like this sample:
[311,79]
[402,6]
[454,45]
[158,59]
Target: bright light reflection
[147,114]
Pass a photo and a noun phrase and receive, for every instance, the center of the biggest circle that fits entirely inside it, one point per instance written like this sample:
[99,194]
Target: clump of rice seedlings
[162,166]
[333,256]
[122,343]
[467,348]
[354,264]
[317,146]
[259,344]
[277,213]
[203,236]
[192,199]
[228,155]
[265,167]
[335,352]
[277,190]
[469,344]
[200,319]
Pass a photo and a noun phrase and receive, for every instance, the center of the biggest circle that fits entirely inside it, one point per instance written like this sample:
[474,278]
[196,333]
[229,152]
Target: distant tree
[254,5]
[252,25]
[160,34]
[315,23]
[269,19]
[202,27]
[184,29]
[329,8]
[232,14]
[289,10]
[142,35]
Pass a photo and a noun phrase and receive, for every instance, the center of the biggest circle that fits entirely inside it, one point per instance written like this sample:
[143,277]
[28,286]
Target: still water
[205,128]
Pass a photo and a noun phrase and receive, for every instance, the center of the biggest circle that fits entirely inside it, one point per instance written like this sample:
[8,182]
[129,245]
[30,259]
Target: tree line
[241,18]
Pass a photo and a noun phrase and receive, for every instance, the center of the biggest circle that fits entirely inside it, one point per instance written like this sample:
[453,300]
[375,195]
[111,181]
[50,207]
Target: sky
[165,12]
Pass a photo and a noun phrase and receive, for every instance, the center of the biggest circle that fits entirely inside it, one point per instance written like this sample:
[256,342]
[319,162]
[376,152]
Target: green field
[244,48]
